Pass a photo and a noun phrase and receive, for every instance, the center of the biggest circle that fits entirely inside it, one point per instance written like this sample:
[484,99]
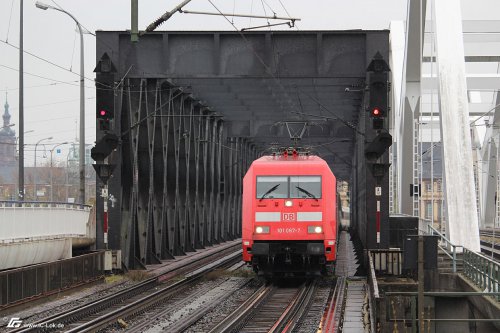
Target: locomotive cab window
[272,187]
[305,187]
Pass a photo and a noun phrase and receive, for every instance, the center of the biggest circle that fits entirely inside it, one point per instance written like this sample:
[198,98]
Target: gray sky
[52,107]
[52,99]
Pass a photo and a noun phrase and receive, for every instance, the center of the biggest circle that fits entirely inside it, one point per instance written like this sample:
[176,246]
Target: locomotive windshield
[272,187]
[282,187]
[305,187]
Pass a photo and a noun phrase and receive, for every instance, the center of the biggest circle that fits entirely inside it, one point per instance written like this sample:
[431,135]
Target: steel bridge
[192,110]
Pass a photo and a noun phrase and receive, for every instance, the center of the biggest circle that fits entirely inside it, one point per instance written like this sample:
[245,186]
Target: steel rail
[331,322]
[197,315]
[232,321]
[295,310]
[75,314]
[285,320]
[145,302]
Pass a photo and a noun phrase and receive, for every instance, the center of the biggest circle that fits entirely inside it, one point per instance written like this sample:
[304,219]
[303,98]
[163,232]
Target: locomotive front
[289,215]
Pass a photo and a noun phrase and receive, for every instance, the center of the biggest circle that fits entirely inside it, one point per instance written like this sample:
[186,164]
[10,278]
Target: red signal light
[102,113]
[376,112]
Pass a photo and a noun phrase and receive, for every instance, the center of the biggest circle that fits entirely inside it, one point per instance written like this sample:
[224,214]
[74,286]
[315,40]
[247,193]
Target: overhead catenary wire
[277,80]
[47,61]
[41,85]
[10,18]
[54,103]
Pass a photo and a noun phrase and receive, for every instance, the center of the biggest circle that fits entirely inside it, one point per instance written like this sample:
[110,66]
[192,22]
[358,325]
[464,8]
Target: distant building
[432,195]
[8,162]
[7,140]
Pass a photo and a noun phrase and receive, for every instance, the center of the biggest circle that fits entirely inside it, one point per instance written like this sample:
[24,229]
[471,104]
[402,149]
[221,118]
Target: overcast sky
[52,94]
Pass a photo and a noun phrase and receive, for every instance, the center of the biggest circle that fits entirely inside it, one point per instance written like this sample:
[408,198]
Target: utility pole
[20,195]
[421,280]
[134,13]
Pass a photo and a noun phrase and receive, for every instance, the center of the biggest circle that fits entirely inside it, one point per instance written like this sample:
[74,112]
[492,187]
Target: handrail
[41,204]
[447,246]
[483,271]
[373,277]
[374,298]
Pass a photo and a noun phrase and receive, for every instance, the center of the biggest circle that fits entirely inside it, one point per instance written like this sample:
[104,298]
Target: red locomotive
[289,215]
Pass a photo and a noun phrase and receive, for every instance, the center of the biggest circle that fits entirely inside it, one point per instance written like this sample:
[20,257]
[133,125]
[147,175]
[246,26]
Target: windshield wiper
[269,191]
[309,194]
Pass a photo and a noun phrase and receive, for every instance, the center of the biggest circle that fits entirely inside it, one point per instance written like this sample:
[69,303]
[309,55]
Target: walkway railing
[483,271]
[21,284]
[374,299]
[447,246]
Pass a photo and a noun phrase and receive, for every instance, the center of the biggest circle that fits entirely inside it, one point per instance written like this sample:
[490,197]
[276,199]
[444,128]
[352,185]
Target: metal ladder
[476,185]
[416,168]
[392,181]
[496,223]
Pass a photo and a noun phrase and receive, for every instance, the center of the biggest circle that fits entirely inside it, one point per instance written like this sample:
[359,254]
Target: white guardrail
[28,221]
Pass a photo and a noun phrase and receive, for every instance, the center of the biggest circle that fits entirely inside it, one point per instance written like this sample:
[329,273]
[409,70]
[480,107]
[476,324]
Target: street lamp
[51,171]
[43,6]
[36,172]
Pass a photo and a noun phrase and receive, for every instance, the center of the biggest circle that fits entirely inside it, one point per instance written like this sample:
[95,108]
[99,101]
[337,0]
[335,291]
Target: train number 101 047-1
[289,230]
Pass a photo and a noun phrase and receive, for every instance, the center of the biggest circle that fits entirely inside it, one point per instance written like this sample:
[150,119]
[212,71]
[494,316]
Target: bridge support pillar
[462,221]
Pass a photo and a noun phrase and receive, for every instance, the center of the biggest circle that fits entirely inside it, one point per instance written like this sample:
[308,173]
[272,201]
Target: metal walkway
[356,297]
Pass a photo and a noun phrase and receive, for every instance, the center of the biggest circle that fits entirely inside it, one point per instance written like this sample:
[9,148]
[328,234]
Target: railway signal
[375,149]
[379,90]
[105,95]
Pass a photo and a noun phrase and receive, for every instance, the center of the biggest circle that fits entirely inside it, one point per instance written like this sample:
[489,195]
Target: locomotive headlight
[288,203]
[314,230]
[261,230]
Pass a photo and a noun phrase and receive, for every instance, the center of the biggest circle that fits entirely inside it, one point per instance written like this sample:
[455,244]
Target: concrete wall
[18,254]
[28,223]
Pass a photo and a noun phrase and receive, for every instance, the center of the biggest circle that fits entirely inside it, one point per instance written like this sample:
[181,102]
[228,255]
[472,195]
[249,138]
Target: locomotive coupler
[288,257]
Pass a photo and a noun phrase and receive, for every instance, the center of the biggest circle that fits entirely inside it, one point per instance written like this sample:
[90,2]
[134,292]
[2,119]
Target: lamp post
[82,100]
[51,171]
[36,170]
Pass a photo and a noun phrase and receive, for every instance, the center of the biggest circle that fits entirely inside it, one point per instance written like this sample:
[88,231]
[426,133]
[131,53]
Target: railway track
[490,243]
[275,308]
[271,309]
[334,313]
[103,312]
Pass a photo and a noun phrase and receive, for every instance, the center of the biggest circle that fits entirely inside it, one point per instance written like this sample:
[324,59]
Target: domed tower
[7,140]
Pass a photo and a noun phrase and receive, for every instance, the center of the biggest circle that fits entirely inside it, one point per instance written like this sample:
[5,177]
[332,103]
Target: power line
[53,64]
[55,80]
[10,17]
[38,76]
[277,80]
[54,103]
[47,61]
[40,85]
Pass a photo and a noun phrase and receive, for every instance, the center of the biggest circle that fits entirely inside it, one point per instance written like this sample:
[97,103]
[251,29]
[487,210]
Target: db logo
[14,323]
[288,217]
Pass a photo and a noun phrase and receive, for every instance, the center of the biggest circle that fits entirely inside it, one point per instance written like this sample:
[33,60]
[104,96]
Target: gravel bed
[75,299]
[309,323]
[219,291]
[79,297]
[225,308]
